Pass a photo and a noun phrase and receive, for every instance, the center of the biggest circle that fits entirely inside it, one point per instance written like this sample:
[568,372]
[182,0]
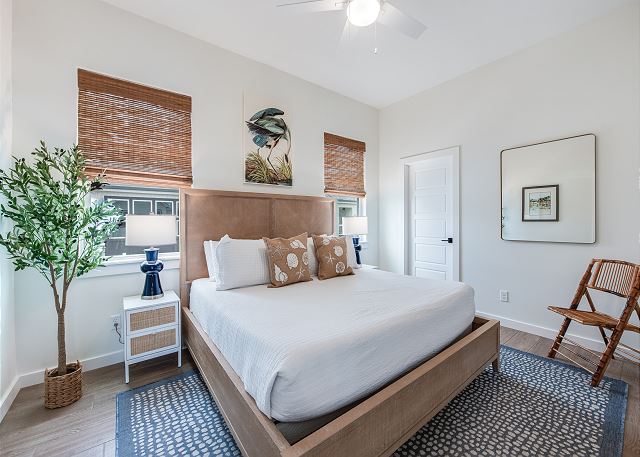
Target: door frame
[454,152]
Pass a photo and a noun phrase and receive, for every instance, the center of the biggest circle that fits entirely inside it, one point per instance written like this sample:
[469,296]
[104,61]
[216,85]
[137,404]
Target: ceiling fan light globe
[362,13]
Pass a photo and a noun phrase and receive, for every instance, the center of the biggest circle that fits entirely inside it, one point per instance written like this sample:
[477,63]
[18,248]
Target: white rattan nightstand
[151,329]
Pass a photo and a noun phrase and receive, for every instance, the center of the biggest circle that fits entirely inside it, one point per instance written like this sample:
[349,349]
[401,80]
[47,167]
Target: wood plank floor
[87,428]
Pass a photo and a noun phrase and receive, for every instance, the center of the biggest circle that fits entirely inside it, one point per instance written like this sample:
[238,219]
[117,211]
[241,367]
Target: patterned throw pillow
[288,260]
[331,252]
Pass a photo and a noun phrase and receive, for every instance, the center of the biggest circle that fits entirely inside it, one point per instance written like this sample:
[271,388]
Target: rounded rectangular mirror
[549,191]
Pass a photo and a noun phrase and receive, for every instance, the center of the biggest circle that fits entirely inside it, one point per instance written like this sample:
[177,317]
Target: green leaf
[53,228]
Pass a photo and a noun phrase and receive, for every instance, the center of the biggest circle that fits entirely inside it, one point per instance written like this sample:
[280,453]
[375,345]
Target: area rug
[533,407]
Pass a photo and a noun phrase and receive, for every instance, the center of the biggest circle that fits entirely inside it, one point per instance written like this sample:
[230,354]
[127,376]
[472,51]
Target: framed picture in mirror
[540,203]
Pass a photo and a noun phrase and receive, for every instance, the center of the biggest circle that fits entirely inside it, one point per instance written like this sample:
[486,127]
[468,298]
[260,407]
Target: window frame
[131,193]
[360,211]
[134,201]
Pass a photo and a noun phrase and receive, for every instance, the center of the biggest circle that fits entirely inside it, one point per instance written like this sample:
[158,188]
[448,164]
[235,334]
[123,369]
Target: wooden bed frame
[375,427]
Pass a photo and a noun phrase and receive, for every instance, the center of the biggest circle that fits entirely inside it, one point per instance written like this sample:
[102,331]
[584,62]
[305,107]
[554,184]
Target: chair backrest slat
[607,275]
[614,276]
[624,275]
[629,280]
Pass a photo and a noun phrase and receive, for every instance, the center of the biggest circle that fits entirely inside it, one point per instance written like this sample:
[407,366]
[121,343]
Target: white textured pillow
[241,263]
[210,257]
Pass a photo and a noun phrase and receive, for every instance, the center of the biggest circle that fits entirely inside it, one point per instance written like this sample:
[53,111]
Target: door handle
[448,240]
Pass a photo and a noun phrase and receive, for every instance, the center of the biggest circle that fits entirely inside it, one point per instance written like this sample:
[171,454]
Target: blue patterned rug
[533,407]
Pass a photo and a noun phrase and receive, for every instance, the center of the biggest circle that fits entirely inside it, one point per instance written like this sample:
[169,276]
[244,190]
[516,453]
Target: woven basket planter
[61,391]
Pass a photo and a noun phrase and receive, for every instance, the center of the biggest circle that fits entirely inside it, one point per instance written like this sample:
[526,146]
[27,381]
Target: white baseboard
[543,331]
[93,363]
[37,377]
[9,396]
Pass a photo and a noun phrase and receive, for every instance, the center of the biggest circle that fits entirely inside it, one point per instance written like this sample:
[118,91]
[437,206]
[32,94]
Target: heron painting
[268,149]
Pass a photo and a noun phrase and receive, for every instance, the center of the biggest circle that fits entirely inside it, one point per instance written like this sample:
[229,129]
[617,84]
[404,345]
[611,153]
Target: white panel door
[431,218]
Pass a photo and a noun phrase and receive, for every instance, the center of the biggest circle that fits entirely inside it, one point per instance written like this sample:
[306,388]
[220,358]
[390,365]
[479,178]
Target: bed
[345,338]
[346,367]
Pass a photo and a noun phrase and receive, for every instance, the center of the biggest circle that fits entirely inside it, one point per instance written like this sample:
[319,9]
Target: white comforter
[311,348]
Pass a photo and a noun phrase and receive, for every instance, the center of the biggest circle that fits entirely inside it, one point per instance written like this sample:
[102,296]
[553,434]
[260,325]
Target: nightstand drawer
[149,318]
[151,342]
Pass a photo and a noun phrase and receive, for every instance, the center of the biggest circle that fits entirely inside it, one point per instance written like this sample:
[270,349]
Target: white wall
[583,81]
[53,39]
[7,322]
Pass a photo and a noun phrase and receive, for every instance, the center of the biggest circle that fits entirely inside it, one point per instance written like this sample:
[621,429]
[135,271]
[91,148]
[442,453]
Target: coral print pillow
[288,260]
[331,252]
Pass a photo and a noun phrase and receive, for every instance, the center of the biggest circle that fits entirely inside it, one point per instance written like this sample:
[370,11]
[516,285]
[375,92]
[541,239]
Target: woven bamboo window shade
[343,166]
[136,134]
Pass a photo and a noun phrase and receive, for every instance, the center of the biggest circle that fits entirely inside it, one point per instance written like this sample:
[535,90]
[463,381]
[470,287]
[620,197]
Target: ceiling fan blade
[392,17]
[314,6]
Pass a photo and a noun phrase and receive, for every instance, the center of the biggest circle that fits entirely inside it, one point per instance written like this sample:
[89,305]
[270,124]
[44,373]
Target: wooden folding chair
[611,276]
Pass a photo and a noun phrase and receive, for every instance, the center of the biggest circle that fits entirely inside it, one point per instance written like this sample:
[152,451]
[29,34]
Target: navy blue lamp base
[356,245]
[152,266]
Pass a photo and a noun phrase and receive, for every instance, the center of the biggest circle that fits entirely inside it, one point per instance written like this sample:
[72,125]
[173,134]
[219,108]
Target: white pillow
[313,260]
[210,257]
[241,263]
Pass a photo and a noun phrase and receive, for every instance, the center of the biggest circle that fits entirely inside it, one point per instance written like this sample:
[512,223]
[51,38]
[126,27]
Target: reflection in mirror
[549,191]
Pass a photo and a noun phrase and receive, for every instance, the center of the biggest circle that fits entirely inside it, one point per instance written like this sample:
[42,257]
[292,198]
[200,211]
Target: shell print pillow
[288,260]
[331,252]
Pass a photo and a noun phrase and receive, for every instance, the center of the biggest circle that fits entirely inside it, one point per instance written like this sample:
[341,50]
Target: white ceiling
[461,35]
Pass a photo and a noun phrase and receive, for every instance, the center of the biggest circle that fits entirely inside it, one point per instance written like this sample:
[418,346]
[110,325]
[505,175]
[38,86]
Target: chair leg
[616,335]
[559,337]
[605,339]
[606,357]
[593,308]
[582,289]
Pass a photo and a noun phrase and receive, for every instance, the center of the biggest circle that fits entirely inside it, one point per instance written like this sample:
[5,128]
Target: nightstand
[151,329]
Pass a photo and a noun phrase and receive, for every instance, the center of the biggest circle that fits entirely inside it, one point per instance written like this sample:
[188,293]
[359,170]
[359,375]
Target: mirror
[549,191]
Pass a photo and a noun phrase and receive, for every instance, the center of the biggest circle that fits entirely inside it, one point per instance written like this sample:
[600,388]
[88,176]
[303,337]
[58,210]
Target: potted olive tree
[57,231]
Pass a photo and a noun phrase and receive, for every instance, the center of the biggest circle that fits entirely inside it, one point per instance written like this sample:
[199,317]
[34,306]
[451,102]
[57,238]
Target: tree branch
[52,282]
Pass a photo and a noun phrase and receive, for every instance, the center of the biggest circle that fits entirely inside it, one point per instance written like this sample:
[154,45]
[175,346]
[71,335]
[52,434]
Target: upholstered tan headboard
[210,214]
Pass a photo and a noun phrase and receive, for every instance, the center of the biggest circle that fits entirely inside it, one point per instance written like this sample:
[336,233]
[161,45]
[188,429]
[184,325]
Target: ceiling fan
[362,13]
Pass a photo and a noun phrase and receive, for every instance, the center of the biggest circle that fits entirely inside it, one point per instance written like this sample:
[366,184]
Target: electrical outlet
[115,320]
[504,295]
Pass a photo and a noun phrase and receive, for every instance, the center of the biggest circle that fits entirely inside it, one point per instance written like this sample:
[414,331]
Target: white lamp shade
[150,230]
[355,225]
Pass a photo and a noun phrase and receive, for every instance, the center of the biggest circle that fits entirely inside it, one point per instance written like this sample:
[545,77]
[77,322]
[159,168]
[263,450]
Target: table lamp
[355,226]
[151,230]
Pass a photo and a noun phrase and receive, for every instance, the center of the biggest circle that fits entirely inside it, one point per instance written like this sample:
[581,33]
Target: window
[141,137]
[138,134]
[343,166]
[138,200]
[344,175]
[346,207]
